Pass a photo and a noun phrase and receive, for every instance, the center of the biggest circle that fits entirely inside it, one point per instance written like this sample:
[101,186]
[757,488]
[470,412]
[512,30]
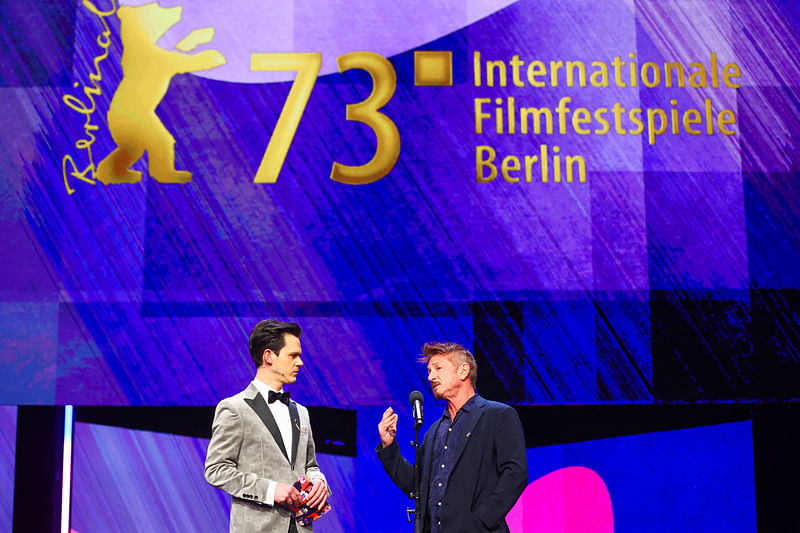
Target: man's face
[445,376]
[287,363]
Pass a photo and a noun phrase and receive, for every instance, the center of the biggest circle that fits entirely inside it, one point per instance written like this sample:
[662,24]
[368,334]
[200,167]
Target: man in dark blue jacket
[473,457]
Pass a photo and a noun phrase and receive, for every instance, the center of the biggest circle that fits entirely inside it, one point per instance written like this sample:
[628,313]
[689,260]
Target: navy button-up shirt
[445,444]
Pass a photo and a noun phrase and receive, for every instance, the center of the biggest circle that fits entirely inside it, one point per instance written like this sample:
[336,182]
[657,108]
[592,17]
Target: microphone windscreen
[415,396]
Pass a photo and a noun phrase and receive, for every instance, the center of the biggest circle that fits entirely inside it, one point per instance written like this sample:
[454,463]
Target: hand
[387,428]
[287,495]
[318,495]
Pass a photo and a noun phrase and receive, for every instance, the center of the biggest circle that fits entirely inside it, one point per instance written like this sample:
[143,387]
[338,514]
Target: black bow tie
[279,396]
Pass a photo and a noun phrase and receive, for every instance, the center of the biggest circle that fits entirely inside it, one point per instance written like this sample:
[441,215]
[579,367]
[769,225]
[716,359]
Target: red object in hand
[302,513]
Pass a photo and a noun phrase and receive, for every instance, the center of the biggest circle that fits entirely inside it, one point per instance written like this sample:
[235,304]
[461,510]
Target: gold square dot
[433,69]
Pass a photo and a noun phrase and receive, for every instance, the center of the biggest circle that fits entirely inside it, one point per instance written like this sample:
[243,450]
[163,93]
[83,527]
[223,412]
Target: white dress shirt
[280,412]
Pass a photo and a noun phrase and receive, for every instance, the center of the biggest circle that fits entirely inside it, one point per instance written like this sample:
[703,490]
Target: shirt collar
[263,388]
[466,407]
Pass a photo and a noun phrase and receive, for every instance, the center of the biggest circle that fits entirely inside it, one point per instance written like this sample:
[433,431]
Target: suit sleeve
[399,469]
[311,467]
[222,459]
[512,465]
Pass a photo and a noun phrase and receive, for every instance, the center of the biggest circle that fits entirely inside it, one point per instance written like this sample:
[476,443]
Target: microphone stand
[415,398]
[417,479]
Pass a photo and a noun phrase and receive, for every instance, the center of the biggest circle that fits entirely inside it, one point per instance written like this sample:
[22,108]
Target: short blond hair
[458,355]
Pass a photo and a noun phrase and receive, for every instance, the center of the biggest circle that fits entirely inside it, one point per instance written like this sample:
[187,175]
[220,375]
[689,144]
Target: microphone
[416,399]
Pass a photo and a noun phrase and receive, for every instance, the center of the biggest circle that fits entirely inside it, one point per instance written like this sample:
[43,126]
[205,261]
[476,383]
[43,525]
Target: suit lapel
[259,405]
[473,415]
[295,429]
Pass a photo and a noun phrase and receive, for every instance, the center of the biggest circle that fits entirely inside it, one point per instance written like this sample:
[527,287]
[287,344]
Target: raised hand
[387,428]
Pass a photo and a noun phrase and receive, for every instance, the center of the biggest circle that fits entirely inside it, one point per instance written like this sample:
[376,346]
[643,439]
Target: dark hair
[458,354]
[269,335]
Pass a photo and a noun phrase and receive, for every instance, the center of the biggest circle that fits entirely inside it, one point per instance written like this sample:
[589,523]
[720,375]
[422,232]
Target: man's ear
[266,357]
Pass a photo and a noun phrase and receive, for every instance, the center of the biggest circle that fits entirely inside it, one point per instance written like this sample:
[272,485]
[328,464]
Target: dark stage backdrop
[598,198]
[667,480]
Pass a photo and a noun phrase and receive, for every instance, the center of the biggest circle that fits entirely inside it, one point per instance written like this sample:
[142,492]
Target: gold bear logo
[146,72]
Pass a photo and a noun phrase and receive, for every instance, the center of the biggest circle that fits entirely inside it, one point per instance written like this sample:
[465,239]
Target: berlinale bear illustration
[147,70]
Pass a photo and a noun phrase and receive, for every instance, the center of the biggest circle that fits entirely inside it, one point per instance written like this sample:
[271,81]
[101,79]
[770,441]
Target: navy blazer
[490,472]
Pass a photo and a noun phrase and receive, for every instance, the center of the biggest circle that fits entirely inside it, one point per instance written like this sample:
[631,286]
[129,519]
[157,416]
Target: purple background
[8,447]
[145,294]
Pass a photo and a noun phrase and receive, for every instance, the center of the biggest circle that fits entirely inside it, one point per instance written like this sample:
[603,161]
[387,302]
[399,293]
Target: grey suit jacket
[246,452]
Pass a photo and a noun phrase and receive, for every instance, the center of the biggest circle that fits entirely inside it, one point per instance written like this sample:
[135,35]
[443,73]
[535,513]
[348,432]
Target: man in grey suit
[261,441]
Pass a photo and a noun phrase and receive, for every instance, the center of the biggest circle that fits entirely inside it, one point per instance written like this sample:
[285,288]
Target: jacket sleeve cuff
[389,451]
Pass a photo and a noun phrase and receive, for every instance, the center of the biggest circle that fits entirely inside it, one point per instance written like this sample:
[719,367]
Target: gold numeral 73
[307,65]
